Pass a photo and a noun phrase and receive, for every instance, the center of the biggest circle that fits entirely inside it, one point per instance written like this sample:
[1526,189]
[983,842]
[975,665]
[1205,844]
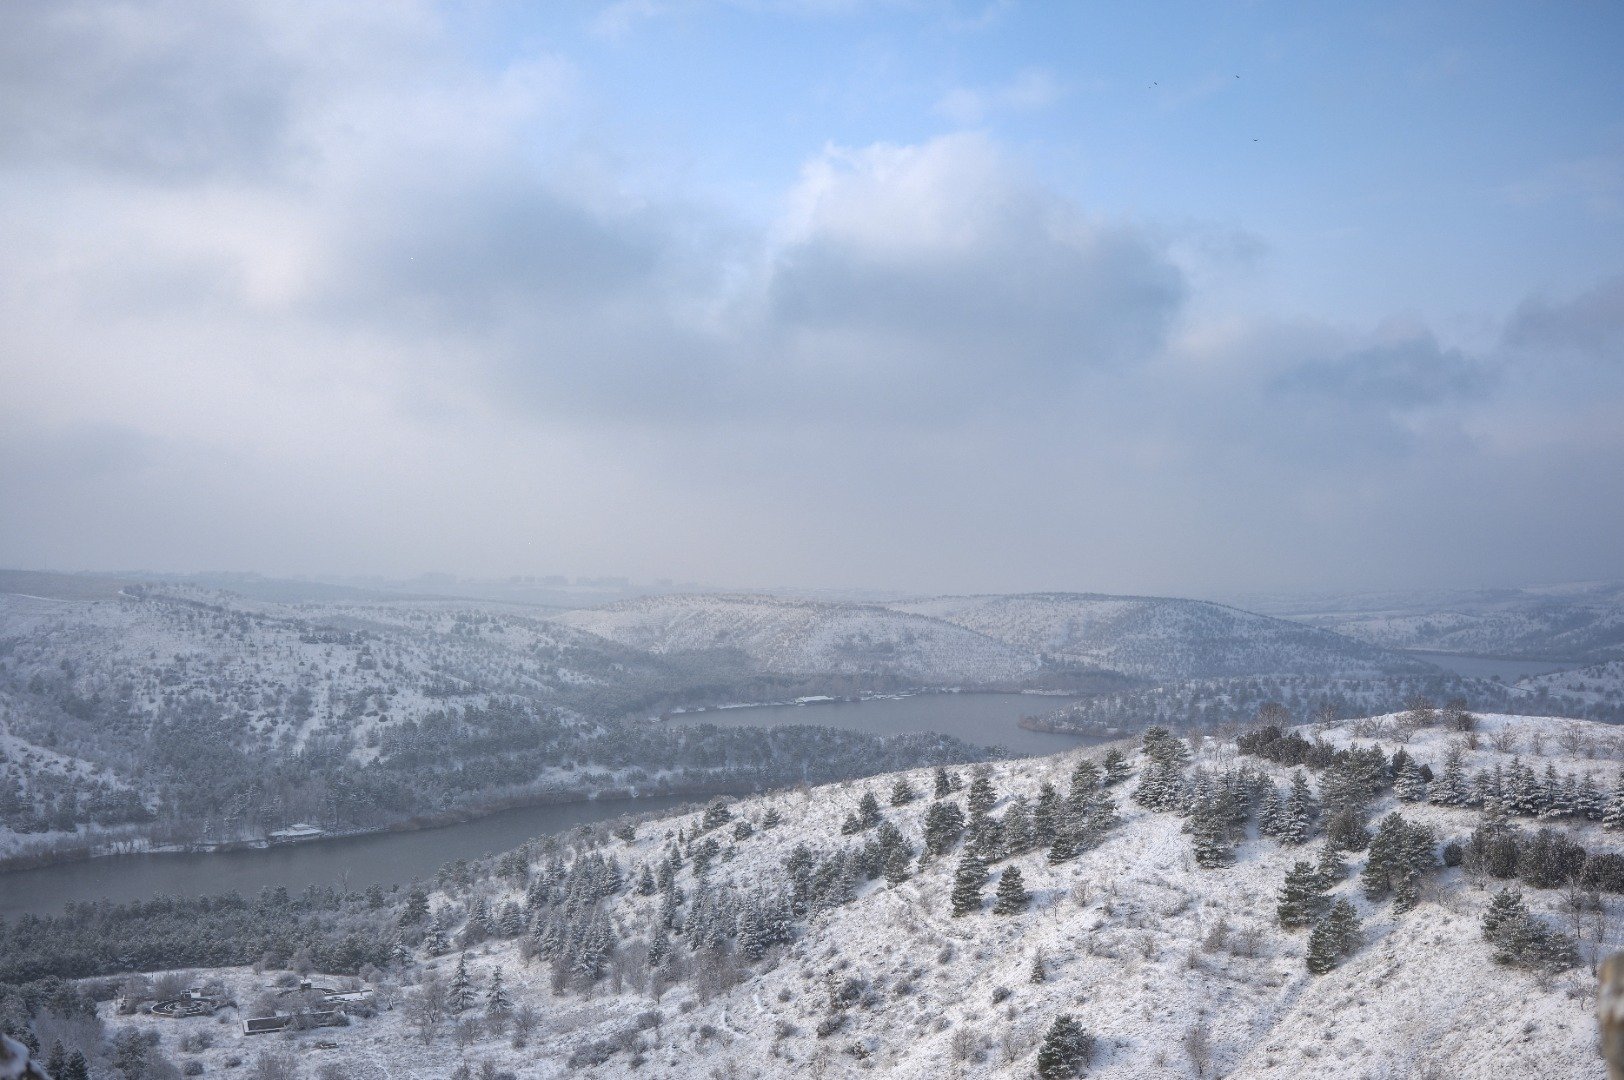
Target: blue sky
[918,295]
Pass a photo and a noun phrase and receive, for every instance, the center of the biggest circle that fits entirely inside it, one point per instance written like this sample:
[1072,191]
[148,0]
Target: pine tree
[1017,834]
[1302,897]
[1409,786]
[868,810]
[1065,1051]
[1591,803]
[462,987]
[982,797]
[77,1068]
[902,793]
[1086,776]
[1209,835]
[1298,813]
[1613,816]
[967,883]
[1047,815]
[898,860]
[416,908]
[1040,968]
[1331,867]
[1269,811]
[771,819]
[944,785]
[1117,768]
[1064,848]
[496,998]
[944,824]
[1450,790]
[1334,937]
[1012,894]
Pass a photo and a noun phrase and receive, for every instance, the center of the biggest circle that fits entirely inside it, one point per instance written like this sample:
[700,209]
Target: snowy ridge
[1144,948]
[1159,637]
[804,636]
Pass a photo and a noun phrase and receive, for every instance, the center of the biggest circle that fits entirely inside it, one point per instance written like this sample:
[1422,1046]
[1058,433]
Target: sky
[941,295]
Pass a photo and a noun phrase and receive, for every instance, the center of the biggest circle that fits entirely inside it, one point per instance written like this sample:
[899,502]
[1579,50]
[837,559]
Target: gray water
[350,862]
[355,862]
[1487,667]
[982,719]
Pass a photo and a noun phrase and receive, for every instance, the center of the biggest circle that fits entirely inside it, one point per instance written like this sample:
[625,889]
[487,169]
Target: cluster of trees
[1546,859]
[1066,826]
[321,927]
[1522,940]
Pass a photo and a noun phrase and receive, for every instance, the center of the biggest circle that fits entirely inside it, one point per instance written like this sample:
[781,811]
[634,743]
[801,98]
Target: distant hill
[1581,622]
[1161,638]
[805,636]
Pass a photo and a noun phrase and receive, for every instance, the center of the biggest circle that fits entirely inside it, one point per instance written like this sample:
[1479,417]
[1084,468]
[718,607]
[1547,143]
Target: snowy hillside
[167,713]
[804,636]
[1161,938]
[1160,638]
[1583,622]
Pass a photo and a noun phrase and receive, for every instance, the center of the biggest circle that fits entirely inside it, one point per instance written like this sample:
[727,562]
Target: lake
[349,861]
[1487,667]
[982,719]
[397,858]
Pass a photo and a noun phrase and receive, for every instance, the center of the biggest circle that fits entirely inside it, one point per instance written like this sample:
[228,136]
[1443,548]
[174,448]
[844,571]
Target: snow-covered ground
[807,636]
[1159,637]
[1140,945]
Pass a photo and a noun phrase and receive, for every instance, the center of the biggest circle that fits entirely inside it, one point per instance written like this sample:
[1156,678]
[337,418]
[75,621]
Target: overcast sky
[920,295]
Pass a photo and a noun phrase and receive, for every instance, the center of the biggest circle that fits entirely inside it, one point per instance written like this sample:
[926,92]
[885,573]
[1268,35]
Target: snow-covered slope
[1175,970]
[804,636]
[1159,637]
[1583,622]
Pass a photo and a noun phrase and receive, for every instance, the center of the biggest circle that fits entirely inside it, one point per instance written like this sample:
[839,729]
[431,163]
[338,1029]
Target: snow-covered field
[1144,948]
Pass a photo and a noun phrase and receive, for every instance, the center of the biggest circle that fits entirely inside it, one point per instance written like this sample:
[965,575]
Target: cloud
[1032,89]
[304,288]
[1591,325]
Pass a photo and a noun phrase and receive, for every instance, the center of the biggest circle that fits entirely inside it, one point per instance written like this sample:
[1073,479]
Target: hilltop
[787,941]
[1162,638]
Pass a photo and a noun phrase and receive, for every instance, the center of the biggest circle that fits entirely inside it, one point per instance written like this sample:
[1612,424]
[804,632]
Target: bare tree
[1197,1043]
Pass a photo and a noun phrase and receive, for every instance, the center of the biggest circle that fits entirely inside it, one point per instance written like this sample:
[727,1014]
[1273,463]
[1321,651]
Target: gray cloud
[301,295]
[1590,325]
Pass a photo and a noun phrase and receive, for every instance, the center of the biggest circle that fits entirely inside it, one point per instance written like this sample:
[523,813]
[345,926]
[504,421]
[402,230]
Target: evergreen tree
[1012,894]
[1450,790]
[416,908]
[1163,747]
[1331,867]
[868,810]
[967,883]
[462,987]
[1298,813]
[982,797]
[1591,803]
[771,819]
[1333,937]
[1047,815]
[1040,968]
[1209,835]
[496,998]
[645,882]
[1269,811]
[944,785]
[902,793]
[1302,897]
[1409,786]
[897,862]
[1117,768]
[77,1068]
[1613,816]
[944,824]
[1064,848]
[1065,1050]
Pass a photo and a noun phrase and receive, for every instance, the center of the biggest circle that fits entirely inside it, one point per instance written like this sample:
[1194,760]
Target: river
[1506,669]
[397,858]
[348,861]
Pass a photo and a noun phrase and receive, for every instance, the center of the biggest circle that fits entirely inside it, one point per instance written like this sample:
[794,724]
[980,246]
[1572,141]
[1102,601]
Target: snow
[1129,933]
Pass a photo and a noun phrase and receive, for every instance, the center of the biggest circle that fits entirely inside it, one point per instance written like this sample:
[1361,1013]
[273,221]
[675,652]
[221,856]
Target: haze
[930,295]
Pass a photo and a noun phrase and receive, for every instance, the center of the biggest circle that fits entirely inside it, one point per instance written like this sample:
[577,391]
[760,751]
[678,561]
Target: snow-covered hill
[1174,970]
[1582,622]
[805,636]
[1160,637]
